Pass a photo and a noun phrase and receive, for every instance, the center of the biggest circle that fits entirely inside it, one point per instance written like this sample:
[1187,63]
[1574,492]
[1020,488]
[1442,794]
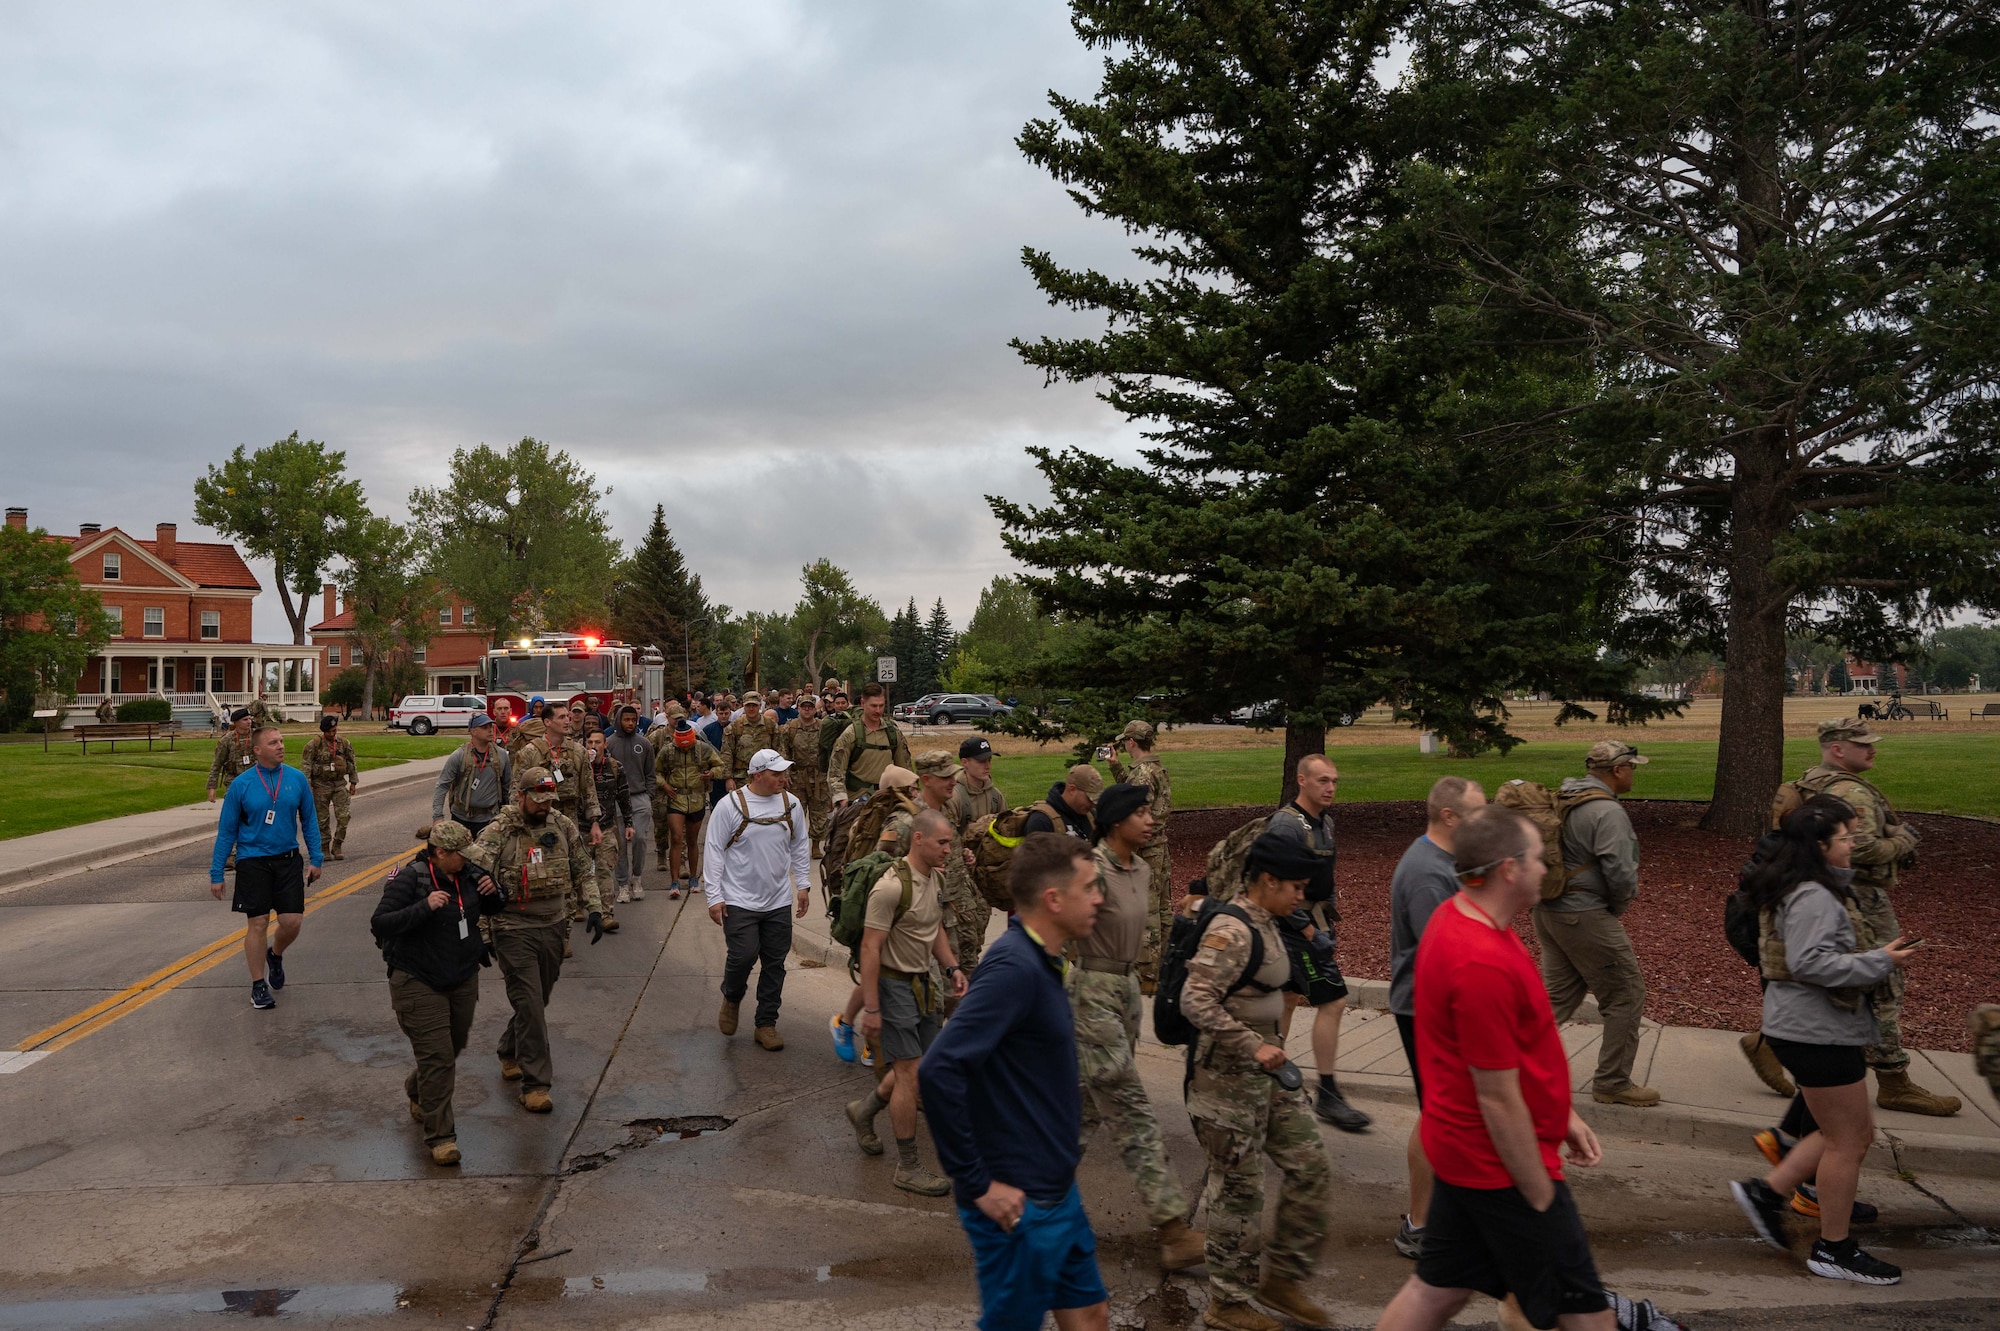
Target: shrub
[146,709]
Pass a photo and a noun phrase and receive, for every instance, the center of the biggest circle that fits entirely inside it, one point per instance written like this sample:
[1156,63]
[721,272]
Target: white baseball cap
[768,760]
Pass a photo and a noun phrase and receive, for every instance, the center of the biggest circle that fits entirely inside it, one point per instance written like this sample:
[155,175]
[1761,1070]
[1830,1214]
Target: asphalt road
[180,1154]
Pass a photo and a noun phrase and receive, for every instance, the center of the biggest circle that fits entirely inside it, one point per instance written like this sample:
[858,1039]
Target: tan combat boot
[445,1153]
[416,1112]
[725,1020]
[1289,1298]
[767,1037]
[1180,1245]
[1766,1065]
[1895,1090]
[1639,1097]
[610,923]
[537,1101]
[1237,1317]
[509,1069]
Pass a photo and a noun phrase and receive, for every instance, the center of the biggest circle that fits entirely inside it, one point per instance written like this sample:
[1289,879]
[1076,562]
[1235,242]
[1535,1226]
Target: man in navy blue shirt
[266,813]
[1006,1108]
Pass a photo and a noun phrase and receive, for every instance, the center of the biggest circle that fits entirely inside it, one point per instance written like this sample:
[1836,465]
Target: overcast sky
[757,262]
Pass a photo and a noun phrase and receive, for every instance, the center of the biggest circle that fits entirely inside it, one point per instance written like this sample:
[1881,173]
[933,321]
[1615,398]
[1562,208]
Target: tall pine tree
[939,642]
[657,602]
[906,644]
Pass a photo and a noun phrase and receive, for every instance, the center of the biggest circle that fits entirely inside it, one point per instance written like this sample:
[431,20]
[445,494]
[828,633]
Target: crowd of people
[1019,1051]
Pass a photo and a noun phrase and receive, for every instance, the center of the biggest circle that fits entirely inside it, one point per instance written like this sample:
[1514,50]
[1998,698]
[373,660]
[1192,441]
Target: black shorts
[1315,975]
[1820,1065]
[267,883]
[690,818]
[1491,1240]
[1407,1028]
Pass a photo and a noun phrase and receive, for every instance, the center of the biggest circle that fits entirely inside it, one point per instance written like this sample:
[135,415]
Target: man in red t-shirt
[1496,1104]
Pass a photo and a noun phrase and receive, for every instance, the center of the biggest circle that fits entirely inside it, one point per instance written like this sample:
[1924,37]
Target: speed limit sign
[885,670]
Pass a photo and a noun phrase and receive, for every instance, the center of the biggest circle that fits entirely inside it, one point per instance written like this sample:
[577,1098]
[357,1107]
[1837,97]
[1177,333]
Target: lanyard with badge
[271,814]
[464,929]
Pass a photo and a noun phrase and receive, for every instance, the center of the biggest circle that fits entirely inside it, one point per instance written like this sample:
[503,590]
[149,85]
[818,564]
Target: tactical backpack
[1793,794]
[1170,1024]
[992,840]
[830,731]
[1548,810]
[1226,858]
[1740,924]
[847,913]
[856,827]
[742,802]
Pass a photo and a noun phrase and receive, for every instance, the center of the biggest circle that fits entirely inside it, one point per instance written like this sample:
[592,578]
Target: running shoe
[1640,1316]
[260,995]
[866,1057]
[843,1037]
[1410,1240]
[1854,1264]
[1806,1202]
[1765,1210]
[1776,1144]
[274,966]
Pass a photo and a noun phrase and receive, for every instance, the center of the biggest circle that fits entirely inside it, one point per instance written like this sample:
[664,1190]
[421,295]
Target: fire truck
[562,667]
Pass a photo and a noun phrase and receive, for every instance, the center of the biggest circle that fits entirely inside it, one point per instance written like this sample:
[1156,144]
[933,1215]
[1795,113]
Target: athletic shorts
[1407,1028]
[1046,1262]
[1315,975]
[907,1030]
[1820,1065]
[1491,1240]
[692,816]
[267,883]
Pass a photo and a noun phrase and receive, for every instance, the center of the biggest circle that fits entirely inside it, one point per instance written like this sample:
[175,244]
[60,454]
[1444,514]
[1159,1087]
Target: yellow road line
[176,973]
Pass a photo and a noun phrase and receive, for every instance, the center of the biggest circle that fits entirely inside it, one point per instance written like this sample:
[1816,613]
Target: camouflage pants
[1159,912]
[1106,1008]
[1887,1053]
[1986,1044]
[330,806]
[819,806]
[605,857]
[1265,1120]
[966,913]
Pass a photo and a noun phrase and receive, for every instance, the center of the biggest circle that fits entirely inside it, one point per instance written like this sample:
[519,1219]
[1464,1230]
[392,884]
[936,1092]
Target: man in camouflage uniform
[1103,989]
[540,861]
[1883,843]
[870,745]
[330,768]
[683,768]
[798,741]
[1137,741]
[613,791]
[566,762]
[1242,1114]
[753,730]
[232,754]
[966,913]
[973,796]
[260,711]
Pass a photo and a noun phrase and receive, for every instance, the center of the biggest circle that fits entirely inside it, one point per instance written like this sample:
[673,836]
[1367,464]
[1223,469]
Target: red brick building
[181,624]
[453,660]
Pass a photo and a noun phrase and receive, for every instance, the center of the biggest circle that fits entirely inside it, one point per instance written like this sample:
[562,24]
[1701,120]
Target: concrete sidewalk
[1709,1096]
[89,846]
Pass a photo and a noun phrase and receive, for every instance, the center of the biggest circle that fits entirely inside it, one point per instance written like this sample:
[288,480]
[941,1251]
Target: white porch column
[208,675]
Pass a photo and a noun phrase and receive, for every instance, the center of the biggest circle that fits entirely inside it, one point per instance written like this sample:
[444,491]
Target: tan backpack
[1795,793]
[992,840]
[1547,810]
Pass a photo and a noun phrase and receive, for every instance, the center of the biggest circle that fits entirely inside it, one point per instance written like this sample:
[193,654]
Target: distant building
[1867,677]
[180,624]
[453,660]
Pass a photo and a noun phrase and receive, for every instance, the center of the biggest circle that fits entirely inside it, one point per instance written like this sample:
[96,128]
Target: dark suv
[963,707]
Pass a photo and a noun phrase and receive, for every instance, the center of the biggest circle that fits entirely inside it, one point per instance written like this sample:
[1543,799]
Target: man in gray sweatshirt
[1584,947]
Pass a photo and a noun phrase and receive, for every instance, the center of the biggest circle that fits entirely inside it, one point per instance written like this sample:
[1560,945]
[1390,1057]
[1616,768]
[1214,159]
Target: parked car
[1272,713]
[916,711]
[964,707]
[422,714]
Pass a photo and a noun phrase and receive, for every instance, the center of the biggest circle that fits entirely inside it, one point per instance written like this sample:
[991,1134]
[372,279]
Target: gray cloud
[758,264]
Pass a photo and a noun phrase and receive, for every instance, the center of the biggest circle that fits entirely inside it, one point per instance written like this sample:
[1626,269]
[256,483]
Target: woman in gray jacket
[1820,968]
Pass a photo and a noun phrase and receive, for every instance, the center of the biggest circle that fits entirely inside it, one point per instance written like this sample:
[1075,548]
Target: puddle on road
[643,1132]
[145,1308]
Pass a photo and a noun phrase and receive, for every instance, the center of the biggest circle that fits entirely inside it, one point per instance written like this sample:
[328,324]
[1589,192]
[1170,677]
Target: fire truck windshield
[570,674]
[549,673]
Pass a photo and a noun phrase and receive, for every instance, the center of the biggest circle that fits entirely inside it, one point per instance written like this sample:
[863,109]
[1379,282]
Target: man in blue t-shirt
[266,813]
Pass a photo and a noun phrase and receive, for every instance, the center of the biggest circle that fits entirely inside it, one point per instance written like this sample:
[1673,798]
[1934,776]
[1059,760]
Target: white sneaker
[638,891]
[623,896]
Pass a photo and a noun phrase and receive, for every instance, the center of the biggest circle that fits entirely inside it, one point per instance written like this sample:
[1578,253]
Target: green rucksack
[830,731]
[849,911]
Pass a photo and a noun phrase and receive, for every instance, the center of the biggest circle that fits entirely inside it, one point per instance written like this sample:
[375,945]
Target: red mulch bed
[1693,978]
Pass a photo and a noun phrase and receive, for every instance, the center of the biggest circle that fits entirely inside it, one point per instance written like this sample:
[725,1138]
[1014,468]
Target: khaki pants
[530,956]
[1588,951]
[438,1024]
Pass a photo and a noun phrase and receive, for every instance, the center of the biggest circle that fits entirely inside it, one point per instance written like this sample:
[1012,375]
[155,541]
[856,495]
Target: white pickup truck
[422,714]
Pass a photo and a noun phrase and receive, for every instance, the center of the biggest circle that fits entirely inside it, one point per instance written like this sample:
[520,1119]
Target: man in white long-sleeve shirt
[757,873]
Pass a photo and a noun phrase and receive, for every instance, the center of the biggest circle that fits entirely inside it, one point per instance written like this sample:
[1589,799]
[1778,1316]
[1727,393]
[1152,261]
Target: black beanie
[1281,857]
[1116,804]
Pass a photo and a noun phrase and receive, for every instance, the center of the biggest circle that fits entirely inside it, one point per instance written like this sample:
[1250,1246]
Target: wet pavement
[180,1157]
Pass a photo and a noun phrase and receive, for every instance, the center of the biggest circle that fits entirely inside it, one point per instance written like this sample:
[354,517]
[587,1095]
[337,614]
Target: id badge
[463,930]
[270,817]
[535,855]
[558,776]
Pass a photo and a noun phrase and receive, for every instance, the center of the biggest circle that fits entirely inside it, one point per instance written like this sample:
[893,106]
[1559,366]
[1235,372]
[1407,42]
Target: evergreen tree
[938,644]
[658,602]
[906,644]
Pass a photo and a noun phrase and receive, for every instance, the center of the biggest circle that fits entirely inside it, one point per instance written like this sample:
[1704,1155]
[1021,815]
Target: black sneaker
[1332,1107]
[274,966]
[1765,1210]
[260,995]
[1640,1316]
[1854,1264]
[1409,1240]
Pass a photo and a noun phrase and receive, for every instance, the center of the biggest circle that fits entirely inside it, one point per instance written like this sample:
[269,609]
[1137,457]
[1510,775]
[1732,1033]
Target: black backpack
[1170,1024]
[1739,915]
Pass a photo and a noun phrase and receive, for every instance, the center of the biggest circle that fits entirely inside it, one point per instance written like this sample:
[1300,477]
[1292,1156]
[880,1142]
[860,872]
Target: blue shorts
[1049,1261]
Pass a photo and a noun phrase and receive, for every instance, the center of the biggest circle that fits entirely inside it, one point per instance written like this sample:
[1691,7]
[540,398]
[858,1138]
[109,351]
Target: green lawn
[63,787]
[1925,773]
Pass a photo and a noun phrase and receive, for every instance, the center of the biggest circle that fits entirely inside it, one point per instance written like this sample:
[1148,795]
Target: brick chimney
[17,518]
[326,601]
[164,544]
[90,529]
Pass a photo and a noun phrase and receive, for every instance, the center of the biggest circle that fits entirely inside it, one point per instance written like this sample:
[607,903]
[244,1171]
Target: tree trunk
[1302,740]
[295,617]
[368,692]
[1750,760]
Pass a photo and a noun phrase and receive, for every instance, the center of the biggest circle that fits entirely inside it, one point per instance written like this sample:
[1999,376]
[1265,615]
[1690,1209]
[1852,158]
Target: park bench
[110,732]
[1990,710]
[1926,707]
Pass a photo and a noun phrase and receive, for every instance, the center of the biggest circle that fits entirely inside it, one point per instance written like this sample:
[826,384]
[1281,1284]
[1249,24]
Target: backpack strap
[902,868]
[743,822]
[1248,979]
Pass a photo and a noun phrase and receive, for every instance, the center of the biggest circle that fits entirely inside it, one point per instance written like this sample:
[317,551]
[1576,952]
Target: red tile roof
[338,624]
[205,563]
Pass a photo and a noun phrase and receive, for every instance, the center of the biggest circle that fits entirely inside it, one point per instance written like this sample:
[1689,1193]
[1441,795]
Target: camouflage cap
[448,835]
[1142,731]
[1847,730]
[935,762]
[1611,753]
[1087,779]
[538,780]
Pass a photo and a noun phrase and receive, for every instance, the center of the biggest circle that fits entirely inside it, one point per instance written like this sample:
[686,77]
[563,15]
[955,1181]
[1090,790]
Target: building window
[200,669]
[156,622]
[418,655]
[211,625]
[333,656]
[113,566]
[465,616]
[115,614]
[118,677]
[444,616]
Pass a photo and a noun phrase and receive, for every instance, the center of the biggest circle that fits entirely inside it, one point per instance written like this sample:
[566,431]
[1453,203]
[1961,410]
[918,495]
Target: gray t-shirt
[1425,879]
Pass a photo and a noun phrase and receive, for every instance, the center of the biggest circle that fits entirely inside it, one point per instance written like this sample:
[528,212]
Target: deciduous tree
[291,503]
[832,615]
[394,597]
[49,625]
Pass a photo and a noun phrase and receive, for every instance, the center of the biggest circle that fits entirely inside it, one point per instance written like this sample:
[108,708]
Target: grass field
[1931,773]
